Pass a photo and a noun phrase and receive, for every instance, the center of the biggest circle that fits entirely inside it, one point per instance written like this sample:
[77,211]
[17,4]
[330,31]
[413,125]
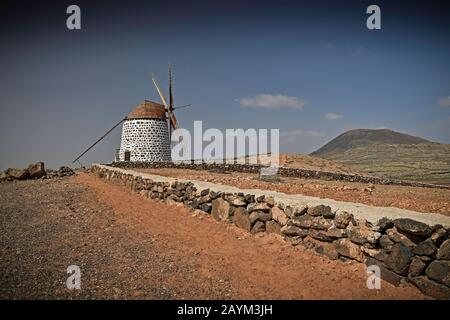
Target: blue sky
[311,69]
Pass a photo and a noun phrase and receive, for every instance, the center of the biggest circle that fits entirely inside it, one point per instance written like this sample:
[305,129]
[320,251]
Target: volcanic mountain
[389,154]
[362,137]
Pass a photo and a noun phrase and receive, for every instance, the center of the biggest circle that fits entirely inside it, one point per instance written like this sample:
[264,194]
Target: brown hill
[389,154]
[361,137]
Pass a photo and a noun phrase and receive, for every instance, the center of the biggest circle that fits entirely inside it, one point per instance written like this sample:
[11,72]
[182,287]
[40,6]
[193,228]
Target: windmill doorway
[127,156]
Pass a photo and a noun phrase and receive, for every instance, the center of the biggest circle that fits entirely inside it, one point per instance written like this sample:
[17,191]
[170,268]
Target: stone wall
[405,250]
[283,171]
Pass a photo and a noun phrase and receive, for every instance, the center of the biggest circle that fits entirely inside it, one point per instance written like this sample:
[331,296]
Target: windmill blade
[173,120]
[100,139]
[181,107]
[170,109]
[161,95]
[170,89]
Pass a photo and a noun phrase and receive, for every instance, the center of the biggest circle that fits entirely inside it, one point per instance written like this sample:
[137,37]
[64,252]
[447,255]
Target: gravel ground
[130,247]
[48,225]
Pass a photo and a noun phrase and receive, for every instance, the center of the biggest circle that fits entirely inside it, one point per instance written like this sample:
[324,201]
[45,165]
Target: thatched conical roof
[148,110]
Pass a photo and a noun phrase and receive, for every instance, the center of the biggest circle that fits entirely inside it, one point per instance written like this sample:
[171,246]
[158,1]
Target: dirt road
[134,248]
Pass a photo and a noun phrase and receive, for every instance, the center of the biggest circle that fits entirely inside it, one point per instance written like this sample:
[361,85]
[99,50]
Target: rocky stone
[279,216]
[259,216]
[204,199]
[194,204]
[241,218]
[320,235]
[397,237]
[374,253]
[236,200]
[320,210]
[36,170]
[293,231]
[384,224]
[439,236]
[321,223]
[260,206]
[439,270]
[65,171]
[249,198]
[412,227]
[260,198]
[171,200]
[326,249]
[386,243]
[204,192]
[386,274]
[336,232]
[399,259]
[270,201]
[342,219]
[220,209]
[362,234]
[205,207]
[348,249]
[425,248]
[4,176]
[328,235]
[273,227]
[214,194]
[416,267]
[431,288]
[304,221]
[310,243]
[181,186]
[18,174]
[444,251]
[295,212]
[258,227]
[295,241]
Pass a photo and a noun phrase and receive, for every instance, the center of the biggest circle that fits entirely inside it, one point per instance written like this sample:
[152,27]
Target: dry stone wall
[405,250]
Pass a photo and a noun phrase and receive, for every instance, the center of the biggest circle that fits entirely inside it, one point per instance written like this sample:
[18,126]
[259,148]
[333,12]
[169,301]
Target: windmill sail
[170,89]
[173,120]
[161,95]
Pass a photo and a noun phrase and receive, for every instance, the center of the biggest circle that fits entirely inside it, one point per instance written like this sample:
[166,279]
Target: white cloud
[444,102]
[333,116]
[270,101]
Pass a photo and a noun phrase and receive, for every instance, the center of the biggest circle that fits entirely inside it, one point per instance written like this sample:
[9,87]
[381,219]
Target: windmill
[145,132]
